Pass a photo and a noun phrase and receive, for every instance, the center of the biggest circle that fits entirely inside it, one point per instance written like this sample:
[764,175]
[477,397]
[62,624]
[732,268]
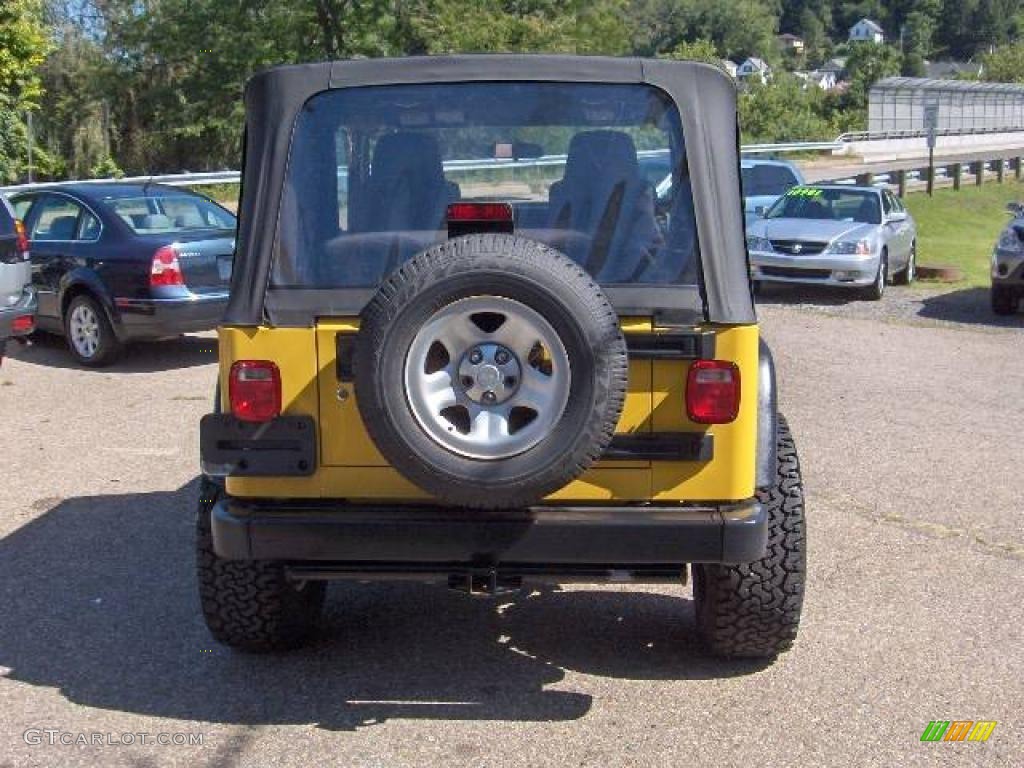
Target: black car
[117,262]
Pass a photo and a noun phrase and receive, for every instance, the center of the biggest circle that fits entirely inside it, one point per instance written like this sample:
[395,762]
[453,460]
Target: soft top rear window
[597,171]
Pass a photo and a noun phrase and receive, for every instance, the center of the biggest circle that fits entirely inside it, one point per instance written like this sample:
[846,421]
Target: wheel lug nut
[510,381]
[467,382]
[488,397]
[476,357]
[501,357]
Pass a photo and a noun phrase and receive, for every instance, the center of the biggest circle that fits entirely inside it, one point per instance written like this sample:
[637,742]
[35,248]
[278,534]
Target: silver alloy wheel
[84,330]
[487,377]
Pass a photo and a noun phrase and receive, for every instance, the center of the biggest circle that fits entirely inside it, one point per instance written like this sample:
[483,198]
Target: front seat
[407,190]
[604,196]
[401,209]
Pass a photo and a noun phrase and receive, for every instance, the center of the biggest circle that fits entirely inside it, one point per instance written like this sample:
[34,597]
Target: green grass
[225,194]
[960,228]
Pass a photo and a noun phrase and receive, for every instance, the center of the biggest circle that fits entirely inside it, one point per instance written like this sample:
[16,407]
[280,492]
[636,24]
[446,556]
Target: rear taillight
[21,239]
[23,324]
[479,212]
[165,269]
[254,390]
[713,392]
[479,218]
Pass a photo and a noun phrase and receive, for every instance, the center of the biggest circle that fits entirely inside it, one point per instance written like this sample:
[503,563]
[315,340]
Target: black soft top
[704,95]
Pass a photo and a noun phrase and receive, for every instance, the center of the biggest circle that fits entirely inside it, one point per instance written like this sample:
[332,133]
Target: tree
[866,65]
[1004,64]
[23,47]
[698,50]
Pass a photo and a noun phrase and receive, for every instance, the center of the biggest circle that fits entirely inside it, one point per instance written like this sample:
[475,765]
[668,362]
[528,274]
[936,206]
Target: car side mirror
[759,210]
[898,216]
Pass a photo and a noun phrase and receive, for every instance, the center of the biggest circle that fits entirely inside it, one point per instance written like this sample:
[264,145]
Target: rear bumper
[155,318]
[442,539]
[26,307]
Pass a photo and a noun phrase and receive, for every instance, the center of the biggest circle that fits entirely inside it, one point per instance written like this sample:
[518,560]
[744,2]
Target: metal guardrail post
[866,179]
[957,170]
[1000,170]
[979,173]
[1016,168]
[901,182]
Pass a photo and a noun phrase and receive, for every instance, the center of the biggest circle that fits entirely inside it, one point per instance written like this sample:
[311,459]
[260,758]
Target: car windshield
[160,214]
[830,204]
[373,170]
[767,180]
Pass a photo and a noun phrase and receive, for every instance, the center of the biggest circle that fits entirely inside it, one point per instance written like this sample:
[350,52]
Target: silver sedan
[853,237]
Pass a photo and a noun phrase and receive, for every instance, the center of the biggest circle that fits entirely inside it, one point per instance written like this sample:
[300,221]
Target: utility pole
[31,140]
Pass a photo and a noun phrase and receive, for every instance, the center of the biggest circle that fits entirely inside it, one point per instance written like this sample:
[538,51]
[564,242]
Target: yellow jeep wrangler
[491,321]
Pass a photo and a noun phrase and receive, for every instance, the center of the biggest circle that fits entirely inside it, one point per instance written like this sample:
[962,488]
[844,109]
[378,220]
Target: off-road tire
[753,610]
[109,347]
[251,605]
[512,268]
[1004,300]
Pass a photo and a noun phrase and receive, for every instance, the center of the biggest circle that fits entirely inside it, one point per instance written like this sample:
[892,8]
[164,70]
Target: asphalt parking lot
[910,422]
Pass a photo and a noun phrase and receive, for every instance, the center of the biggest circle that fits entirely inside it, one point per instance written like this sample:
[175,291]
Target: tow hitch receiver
[484,583]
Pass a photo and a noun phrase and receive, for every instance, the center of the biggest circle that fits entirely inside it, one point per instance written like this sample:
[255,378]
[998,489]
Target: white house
[754,67]
[866,31]
[822,78]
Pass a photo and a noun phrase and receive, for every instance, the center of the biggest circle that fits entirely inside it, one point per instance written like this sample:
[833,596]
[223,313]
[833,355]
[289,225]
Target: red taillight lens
[464,212]
[21,241]
[23,324]
[254,389]
[165,269]
[713,392]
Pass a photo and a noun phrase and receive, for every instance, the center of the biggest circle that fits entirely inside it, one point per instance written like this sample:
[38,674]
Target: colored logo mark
[958,730]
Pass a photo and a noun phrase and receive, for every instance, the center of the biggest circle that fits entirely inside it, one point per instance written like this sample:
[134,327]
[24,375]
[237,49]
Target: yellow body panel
[350,466]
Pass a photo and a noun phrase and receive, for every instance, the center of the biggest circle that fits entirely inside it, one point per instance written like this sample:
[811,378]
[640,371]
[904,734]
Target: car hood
[819,230]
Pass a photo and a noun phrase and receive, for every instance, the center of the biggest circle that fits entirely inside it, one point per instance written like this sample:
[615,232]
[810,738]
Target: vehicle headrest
[403,154]
[156,221]
[63,228]
[188,220]
[601,154]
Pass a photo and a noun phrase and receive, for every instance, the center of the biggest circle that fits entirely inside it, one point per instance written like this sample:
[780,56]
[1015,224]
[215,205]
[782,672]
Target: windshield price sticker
[804,192]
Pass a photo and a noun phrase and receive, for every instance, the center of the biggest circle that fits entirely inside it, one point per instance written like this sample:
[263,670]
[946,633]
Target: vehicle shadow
[971,306]
[782,294]
[102,606]
[142,357]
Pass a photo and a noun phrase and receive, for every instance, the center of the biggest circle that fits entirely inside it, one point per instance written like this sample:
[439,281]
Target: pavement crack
[1006,549]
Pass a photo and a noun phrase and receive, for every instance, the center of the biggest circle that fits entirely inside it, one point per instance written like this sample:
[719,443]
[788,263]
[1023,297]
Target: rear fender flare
[767,417]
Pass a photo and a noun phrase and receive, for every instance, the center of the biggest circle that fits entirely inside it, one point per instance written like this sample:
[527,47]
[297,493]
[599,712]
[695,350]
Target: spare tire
[490,371]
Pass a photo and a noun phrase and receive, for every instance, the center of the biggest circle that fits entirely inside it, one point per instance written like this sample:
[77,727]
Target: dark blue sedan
[115,262]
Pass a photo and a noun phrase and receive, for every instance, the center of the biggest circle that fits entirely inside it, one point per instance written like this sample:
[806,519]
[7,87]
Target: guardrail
[856,136]
[951,172]
[900,178]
